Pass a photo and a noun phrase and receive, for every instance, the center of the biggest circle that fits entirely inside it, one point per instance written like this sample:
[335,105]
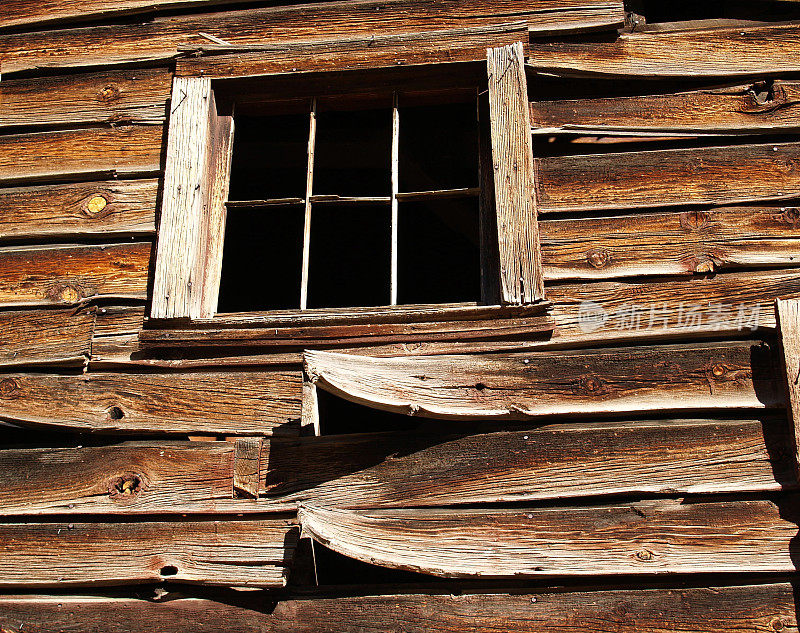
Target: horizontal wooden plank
[69,275]
[118,96]
[60,338]
[645,537]
[80,154]
[708,175]
[740,51]
[232,403]
[749,108]
[241,553]
[532,384]
[377,51]
[670,243]
[685,609]
[158,39]
[111,207]
[554,462]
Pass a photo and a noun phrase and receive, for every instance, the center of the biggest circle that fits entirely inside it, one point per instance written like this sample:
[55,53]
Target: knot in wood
[8,388]
[95,205]
[67,294]
[704,266]
[718,370]
[591,385]
[598,259]
[776,624]
[109,93]
[694,220]
[126,487]
[644,555]
[789,215]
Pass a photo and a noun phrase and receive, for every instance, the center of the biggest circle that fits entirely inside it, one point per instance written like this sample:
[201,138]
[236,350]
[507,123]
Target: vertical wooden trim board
[521,277]
[190,235]
[787,313]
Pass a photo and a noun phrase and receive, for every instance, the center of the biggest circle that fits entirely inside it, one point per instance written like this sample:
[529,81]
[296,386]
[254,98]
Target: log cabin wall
[619,455]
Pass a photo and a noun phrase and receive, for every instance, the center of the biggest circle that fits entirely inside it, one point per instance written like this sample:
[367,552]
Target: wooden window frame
[193,214]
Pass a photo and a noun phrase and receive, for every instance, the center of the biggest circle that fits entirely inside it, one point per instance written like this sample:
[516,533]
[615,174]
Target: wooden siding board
[59,338]
[234,403]
[787,314]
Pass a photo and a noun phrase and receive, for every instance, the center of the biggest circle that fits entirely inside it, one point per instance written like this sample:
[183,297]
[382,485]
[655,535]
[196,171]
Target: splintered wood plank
[246,467]
[70,154]
[45,337]
[739,51]
[727,110]
[670,243]
[68,275]
[559,462]
[240,553]
[707,175]
[118,96]
[787,313]
[525,385]
[660,610]
[378,51]
[129,478]
[516,196]
[644,537]
[233,403]
[189,257]
[111,207]
[158,39]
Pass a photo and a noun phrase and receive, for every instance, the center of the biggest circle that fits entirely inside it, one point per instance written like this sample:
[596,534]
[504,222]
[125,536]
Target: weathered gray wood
[247,467]
[159,39]
[525,385]
[742,51]
[80,154]
[233,403]
[254,553]
[727,110]
[60,338]
[645,537]
[662,610]
[119,96]
[111,207]
[516,198]
[787,314]
[708,175]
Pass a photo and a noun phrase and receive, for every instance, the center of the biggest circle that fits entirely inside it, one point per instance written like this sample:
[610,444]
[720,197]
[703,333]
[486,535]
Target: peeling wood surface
[110,207]
[670,243]
[59,338]
[241,553]
[741,51]
[116,96]
[70,275]
[787,312]
[707,175]
[566,461]
[645,537]
[524,385]
[159,39]
[662,610]
[80,154]
[729,110]
[234,403]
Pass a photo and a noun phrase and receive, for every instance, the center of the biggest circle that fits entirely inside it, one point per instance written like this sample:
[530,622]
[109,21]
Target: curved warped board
[518,386]
[649,537]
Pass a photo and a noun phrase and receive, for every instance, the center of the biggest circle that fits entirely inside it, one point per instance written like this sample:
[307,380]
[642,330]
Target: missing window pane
[270,157]
[349,258]
[262,258]
[438,253]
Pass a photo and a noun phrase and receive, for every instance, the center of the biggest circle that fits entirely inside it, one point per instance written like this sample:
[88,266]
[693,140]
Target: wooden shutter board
[787,314]
[516,197]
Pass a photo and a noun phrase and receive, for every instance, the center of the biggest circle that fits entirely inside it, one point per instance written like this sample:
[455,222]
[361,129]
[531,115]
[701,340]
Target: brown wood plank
[532,384]
[239,553]
[662,610]
[645,537]
[60,338]
[69,275]
[78,154]
[787,314]
[740,51]
[246,467]
[709,175]
[726,110]
[233,403]
[111,207]
[378,51]
[670,243]
[554,462]
[515,191]
[159,39]
[118,96]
